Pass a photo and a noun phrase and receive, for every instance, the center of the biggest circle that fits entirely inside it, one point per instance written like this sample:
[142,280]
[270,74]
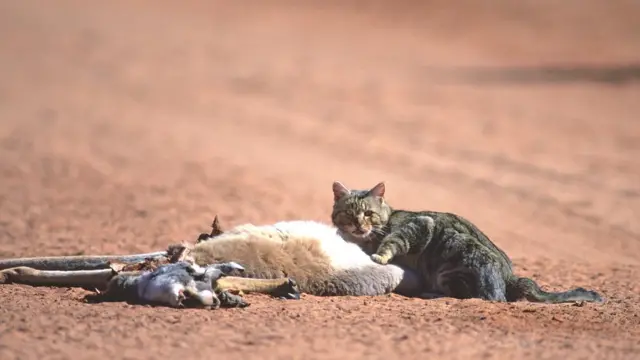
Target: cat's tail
[522,287]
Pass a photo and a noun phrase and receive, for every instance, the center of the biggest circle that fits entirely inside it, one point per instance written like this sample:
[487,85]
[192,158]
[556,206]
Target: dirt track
[125,127]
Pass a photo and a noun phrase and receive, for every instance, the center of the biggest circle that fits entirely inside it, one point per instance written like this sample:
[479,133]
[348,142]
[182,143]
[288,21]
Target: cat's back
[399,218]
[447,220]
[442,221]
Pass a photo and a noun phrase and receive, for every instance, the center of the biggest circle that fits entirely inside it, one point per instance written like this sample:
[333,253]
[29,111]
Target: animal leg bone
[87,279]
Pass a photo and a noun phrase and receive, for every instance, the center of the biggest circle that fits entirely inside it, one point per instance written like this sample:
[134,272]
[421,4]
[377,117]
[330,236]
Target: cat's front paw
[379,259]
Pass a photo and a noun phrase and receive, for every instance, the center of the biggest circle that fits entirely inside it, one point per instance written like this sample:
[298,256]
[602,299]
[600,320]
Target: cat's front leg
[381,259]
[390,247]
[413,235]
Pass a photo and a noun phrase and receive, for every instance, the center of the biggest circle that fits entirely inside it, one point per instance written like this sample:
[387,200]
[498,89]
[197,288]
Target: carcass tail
[81,262]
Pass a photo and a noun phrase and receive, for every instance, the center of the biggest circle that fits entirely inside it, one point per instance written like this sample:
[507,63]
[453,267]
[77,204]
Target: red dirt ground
[126,125]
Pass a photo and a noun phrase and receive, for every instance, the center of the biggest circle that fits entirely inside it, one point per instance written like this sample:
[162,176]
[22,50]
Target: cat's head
[359,213]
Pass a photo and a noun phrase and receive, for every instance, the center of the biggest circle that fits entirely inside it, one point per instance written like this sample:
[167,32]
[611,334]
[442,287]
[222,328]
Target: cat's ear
[377,190]
[339,190]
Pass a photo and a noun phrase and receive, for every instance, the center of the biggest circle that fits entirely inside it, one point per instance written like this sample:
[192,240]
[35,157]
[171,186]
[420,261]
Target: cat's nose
[358,231]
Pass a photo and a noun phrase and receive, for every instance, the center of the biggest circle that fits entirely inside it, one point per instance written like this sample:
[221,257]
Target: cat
[453,257]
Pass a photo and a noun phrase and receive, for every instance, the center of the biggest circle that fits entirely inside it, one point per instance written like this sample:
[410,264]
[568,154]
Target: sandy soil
[126,125]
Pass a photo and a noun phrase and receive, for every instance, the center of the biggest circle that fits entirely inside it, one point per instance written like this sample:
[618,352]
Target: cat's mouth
[360,233]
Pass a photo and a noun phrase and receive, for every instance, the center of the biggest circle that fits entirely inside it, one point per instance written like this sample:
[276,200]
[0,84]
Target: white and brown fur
[309,254]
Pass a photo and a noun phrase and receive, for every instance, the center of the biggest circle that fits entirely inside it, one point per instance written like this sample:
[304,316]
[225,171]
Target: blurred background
[125,125]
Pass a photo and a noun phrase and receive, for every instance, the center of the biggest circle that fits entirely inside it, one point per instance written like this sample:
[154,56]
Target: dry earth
[126,125]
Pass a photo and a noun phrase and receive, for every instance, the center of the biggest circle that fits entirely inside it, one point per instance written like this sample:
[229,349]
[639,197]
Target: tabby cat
[451,255]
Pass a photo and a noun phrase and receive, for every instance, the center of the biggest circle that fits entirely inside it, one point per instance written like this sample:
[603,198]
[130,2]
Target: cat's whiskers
[379,231]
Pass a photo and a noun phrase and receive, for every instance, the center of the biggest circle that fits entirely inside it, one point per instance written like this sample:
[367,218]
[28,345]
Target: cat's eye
[368,213]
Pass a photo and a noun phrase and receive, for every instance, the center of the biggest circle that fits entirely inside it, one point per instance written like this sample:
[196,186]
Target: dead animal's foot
[217,302]
[229,300]
[181,298]
[288,291]
[230,268]
[177,301]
